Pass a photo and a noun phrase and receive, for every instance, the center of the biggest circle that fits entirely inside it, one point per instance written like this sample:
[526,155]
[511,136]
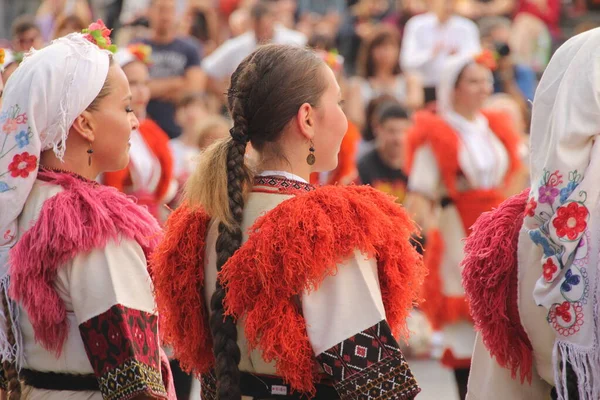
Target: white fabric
[565,160]
[185,158]
[476,138]
[89,284]
[423,32]
[489,381]
[398,90]
[224,60]
[41,100]
[145,168]
[124,57]
[350,301]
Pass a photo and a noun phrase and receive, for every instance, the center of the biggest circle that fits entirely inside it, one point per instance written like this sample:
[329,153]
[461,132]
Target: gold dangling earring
[310,159]
[90,152]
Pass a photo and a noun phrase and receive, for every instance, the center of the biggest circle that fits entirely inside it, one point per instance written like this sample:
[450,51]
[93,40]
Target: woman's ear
[305,120]
[84,126]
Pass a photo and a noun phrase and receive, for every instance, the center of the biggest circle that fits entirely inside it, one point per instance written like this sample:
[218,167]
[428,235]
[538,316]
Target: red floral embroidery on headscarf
[22,164]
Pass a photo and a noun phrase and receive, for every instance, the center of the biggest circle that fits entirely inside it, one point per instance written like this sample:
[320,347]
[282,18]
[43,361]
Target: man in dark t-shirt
[382,167]
[175,68]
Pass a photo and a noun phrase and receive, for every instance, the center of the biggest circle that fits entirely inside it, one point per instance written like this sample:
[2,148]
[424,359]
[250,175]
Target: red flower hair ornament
[99,34]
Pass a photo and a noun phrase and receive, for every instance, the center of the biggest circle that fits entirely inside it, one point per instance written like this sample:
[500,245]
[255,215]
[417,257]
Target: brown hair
[10,369]
[71,19]
[267,89]
[105,91]
[384,35]
[24,23]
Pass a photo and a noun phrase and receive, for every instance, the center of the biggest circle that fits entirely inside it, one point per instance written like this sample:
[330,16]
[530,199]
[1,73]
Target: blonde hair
[207,187]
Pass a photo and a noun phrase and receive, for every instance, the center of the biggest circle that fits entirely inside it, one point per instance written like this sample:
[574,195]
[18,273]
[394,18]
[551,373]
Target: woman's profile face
[330,125]
[473,88]
[113,121]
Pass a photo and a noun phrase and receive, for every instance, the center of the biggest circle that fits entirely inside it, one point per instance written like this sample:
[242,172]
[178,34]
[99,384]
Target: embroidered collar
[279,185]
[48,175]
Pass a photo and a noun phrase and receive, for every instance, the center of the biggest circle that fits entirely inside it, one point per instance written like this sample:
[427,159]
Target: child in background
[195,138]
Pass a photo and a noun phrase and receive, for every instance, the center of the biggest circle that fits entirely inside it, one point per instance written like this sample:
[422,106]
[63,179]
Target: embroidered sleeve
[370,365]
[360,353]
[123,347]
[112,299]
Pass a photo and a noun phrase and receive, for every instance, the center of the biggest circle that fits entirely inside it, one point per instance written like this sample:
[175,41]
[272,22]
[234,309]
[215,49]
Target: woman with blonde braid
[270,286]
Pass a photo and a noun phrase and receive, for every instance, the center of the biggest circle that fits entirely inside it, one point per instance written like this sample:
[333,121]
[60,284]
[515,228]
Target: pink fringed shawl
[83,217]
[491,285]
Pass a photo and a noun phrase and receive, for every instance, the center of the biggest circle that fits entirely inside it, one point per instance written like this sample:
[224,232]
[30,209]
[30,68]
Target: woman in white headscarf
[78,317]
[531,266]
[149,174]
[458,161]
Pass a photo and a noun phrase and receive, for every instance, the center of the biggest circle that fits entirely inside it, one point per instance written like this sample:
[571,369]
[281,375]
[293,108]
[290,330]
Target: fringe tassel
[8,352]
[585,365]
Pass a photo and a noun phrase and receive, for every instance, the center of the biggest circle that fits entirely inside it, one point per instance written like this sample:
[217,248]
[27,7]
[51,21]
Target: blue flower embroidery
[570,280]
[4,187]
[566,191]
[537,238]
[22,139]
[3,116]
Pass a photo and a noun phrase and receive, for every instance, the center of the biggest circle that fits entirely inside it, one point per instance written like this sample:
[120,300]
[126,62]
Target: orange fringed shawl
[177,269]
[291,249]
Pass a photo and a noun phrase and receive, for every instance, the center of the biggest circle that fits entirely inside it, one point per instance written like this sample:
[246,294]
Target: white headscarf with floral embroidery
[563,217]
[42,98]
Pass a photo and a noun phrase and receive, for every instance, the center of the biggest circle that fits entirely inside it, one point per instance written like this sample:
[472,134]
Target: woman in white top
[531,271]
[316,278]
[459,161]
[78,317]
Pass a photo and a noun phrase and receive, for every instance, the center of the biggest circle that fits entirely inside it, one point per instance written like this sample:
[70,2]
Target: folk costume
[530,270]
[461,166]
[149,175]
[73,253]
[323,281]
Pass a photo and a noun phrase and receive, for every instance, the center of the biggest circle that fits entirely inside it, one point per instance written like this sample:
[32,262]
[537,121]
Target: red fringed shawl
[291,249]
[83,217]
[177,268]
[490,279]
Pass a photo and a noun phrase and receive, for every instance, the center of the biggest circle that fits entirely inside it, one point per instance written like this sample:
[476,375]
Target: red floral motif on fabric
[571,220]
[549,269]
[22,164]
[21,119]
[530,208]
[122,345]
[563,311]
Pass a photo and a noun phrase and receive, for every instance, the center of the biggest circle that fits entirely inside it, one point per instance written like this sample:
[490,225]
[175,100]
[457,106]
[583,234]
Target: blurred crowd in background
[383,51]
[388,56]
